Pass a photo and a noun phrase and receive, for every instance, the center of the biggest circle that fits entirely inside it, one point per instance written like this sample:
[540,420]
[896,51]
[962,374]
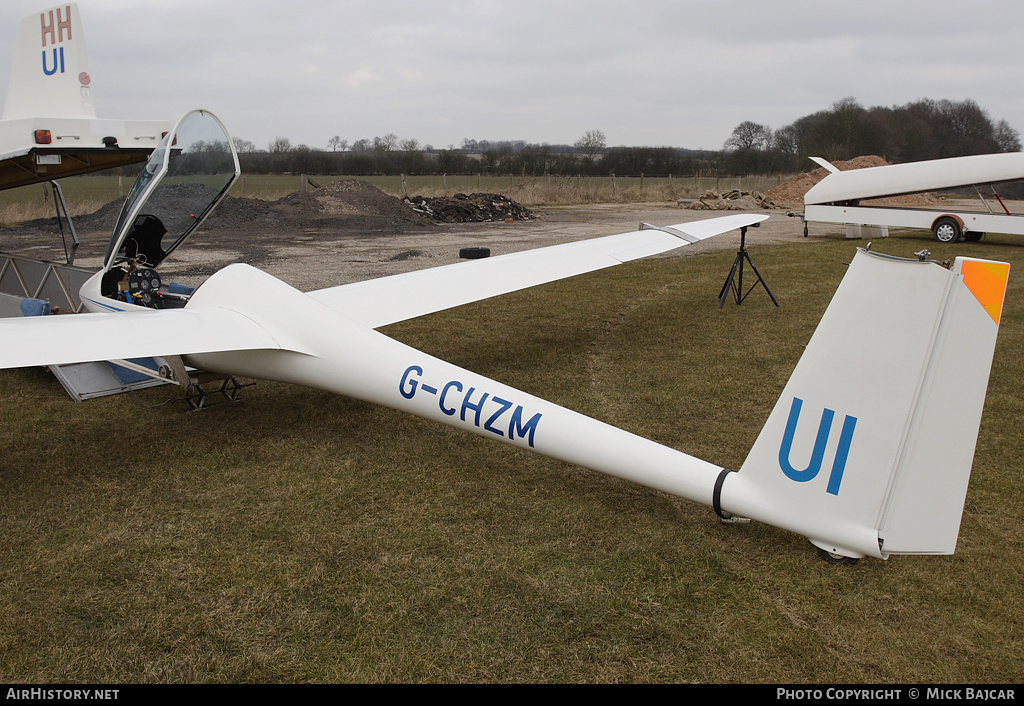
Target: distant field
[87,193]
[298,536]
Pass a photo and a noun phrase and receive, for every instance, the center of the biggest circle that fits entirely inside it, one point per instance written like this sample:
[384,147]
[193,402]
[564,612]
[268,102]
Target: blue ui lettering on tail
[57,63]
[835,478]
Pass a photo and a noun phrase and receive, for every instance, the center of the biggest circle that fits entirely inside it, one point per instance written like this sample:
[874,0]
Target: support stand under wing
[734,282]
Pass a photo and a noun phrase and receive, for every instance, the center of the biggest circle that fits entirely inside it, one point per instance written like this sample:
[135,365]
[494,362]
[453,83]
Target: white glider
[904,346]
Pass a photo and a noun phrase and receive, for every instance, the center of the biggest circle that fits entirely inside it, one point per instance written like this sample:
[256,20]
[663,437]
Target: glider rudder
[868,451]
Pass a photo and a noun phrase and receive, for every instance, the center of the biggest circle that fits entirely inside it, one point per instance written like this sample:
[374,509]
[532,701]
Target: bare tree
[786,139]
[386,143]
[279,145]
[1006,137]
[243,146]
[336,143]
[410,145]
[592,142]
[749,136]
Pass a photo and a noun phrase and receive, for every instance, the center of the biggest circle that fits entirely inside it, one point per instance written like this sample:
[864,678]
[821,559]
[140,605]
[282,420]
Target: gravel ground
[314,259]
[352,231]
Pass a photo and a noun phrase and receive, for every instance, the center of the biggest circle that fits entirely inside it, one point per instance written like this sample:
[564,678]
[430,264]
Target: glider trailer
[48,131]
[847,197]
[857,455]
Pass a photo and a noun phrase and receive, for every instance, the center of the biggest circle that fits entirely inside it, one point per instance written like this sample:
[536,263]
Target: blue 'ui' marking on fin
[835,478]
[819,444]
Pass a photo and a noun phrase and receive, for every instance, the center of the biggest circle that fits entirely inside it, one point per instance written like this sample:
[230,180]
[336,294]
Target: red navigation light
[43,137]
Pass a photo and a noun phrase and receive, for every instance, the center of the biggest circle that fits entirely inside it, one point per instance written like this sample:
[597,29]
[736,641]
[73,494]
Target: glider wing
[387,300]
[80,338]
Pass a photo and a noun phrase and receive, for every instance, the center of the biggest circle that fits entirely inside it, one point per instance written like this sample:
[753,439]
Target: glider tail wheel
[947,230]
[830,558]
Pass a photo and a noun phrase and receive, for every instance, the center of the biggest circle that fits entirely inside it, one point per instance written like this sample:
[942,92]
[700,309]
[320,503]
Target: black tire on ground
[973,236]
[474,253]
[946,230]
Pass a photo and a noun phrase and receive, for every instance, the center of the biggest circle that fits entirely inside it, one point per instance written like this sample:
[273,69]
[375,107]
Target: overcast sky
[645,72]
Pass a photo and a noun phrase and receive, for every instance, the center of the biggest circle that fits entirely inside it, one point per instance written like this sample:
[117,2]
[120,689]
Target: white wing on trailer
[82,338]
[914,177]
[840,197]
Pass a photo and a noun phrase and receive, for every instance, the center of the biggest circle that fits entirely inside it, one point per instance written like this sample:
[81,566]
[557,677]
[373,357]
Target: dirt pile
[473,208]
[791,193]
[734,200]
[346,205]
[352,197]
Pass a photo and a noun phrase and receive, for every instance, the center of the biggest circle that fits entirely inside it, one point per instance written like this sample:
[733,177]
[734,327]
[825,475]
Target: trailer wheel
[946,230]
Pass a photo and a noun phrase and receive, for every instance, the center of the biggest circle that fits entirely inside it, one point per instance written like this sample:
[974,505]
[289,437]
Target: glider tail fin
[50,71]
[869,449]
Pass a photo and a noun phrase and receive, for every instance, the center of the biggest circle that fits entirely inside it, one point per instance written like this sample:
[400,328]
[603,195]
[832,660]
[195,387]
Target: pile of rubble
[734,200]
[461,208]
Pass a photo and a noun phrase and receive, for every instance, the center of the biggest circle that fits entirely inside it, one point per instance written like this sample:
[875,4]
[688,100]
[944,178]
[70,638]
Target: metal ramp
[84,381]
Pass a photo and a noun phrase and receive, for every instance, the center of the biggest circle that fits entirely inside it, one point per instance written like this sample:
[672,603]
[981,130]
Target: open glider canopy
[188,174]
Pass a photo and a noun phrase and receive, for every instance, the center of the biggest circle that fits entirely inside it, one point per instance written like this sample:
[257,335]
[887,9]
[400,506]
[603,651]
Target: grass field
[298,536]
[85,194]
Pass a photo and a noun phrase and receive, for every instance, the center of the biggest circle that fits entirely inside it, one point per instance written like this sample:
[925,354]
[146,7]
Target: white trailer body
[839,197]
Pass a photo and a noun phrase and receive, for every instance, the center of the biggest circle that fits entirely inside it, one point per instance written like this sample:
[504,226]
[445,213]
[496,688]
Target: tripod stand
[734,282]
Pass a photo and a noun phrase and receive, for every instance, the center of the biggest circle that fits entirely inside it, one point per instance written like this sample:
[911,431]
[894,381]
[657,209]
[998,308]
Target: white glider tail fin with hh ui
[50,72]
[869,449]
[49,127]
